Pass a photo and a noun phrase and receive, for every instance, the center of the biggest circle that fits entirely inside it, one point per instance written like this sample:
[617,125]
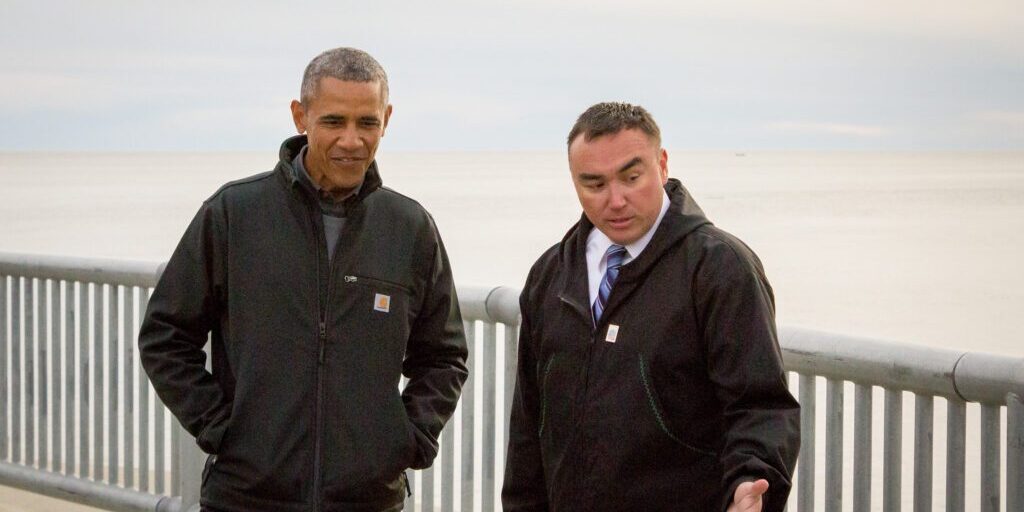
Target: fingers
[748,496]
[759,487]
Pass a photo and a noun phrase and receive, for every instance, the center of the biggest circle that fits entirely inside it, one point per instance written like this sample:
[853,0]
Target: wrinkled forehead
[587,138]
[613,148]
[346,95]
[335,87]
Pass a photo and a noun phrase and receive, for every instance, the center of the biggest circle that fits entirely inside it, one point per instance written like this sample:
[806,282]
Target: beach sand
[16,500]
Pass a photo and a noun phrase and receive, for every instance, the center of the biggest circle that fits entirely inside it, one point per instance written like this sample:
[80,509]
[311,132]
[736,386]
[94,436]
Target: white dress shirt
[598,243]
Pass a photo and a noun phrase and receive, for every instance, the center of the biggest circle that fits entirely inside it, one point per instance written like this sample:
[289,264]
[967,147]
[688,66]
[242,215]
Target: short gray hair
[348,64]
[609,118]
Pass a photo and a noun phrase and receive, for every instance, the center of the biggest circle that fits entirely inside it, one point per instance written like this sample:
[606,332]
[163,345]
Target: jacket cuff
[426,449]
[730,492]
[210,438]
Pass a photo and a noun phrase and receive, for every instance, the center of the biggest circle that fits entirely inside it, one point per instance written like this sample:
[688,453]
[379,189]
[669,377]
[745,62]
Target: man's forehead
[610,153]
[327,81]
[334,89]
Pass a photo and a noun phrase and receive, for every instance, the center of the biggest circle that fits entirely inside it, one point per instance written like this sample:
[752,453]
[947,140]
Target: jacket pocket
[208,468]
[373,281]
[373,322]
[415,460]
[654,404]
[368,443]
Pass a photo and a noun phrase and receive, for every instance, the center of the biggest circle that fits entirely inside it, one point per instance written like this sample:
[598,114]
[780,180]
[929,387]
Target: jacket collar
[290,149]
[683,217]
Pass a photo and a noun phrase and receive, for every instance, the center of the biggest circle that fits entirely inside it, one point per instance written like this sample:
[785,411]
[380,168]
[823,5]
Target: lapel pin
[613,333]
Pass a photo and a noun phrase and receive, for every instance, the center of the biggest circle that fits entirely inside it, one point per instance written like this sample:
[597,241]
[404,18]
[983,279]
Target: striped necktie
[615,255]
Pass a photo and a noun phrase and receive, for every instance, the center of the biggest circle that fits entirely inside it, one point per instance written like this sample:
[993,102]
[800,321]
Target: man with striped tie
[650,376]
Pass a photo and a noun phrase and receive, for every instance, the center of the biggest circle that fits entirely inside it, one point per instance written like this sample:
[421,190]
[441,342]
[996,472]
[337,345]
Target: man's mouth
[620,222]
[347,159]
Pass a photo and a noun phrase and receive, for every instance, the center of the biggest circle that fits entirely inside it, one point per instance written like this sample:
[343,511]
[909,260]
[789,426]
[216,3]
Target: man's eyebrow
[629,164]
[586,176]
[331,117]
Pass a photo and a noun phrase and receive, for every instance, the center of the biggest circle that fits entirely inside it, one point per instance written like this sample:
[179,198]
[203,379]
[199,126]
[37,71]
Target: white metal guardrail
[79,420]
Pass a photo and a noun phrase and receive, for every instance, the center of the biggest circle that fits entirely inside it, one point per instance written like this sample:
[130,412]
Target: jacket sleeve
[524,489]
[745,363]
[435,357]
[181,313]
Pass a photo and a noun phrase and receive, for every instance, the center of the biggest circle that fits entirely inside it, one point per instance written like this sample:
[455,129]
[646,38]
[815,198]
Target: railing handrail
[967,375]
[93,270]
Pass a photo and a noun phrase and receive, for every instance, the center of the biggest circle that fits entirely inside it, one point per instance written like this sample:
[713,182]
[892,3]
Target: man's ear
[387,116]
[663,165]
[299,116]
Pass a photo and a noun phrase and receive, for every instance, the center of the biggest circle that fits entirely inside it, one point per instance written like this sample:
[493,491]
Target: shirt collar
[599,242]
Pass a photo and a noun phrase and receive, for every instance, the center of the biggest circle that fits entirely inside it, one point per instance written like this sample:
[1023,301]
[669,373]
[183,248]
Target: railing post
[806,471]
[862,414]
[834,446]
[892,451]
[4,413]
[956,454]
[1014,452]
[188,464]
[924,431]
[990,429]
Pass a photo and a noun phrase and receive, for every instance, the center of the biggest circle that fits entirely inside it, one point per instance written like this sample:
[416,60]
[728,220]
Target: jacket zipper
[363,280]
[586,380]
[321,349]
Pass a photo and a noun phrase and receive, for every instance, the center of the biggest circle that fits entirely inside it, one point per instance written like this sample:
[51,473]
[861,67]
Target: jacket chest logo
[382,303]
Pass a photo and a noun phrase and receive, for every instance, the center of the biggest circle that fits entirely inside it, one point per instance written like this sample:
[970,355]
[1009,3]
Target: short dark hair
[348,64]
[609,118]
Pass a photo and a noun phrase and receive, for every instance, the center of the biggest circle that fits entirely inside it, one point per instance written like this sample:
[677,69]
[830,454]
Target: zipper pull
[351,279]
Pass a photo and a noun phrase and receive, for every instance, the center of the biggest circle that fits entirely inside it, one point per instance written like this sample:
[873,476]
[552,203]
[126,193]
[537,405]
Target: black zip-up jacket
[302,411]
[685,401]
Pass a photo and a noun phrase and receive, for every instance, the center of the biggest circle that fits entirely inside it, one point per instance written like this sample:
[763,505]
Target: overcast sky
[780,74]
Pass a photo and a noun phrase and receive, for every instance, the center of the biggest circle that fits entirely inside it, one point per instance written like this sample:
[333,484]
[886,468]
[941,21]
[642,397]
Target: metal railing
[80,421]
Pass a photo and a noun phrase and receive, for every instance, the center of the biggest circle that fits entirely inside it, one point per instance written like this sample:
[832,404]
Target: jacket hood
[682,218]
[290,149]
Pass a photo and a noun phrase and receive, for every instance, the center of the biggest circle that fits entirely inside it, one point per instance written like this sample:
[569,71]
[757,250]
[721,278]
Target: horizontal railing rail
[80,421]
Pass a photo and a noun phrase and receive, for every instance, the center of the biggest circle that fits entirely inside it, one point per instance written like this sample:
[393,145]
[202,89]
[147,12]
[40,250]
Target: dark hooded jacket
[690,399]
[302,411]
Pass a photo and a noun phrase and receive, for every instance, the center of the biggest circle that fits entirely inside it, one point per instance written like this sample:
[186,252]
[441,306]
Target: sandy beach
[16,500]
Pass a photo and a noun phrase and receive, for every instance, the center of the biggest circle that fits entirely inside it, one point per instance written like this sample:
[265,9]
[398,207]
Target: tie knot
[615,255]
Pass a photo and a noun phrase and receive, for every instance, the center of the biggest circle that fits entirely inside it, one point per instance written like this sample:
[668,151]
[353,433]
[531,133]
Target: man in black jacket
[318,288]
[650,376]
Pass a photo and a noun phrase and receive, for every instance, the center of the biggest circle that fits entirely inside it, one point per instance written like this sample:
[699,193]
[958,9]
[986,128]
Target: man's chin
[348,177]
[620,236]
[335,184]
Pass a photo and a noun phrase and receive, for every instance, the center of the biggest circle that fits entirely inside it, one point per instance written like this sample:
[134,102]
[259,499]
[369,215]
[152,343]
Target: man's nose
[616,197]
[349,139]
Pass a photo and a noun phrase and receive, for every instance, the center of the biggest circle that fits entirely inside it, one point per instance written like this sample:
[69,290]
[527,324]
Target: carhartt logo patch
[382,303]
[613,333]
